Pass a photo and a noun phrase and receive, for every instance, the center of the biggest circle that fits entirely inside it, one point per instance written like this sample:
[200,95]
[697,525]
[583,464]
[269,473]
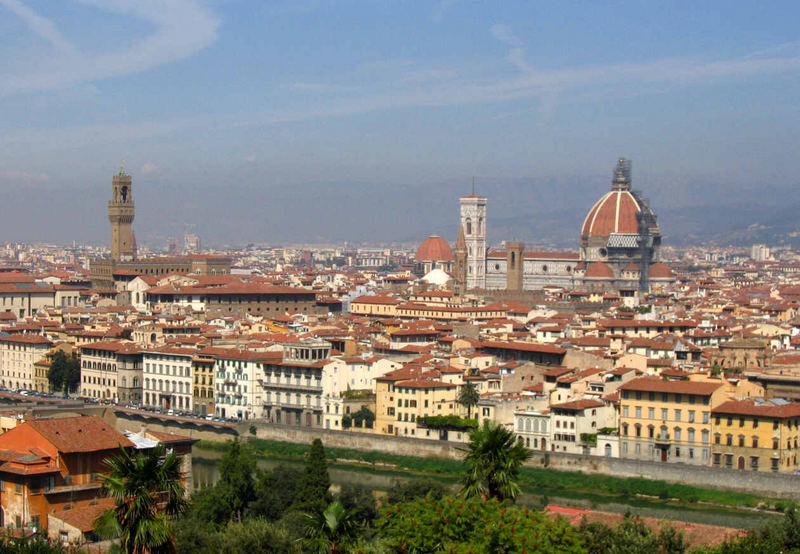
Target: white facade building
[167,377]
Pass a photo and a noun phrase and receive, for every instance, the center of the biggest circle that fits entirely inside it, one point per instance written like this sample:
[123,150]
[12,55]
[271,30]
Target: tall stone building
[123,265]
[121,214]
[473,221]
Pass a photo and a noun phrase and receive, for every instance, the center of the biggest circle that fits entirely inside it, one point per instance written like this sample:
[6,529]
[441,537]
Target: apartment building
[18,356]
[167,376]
[238,375]
[349,374]
[668,421]
[203,384]
[572,420]
[291,383]
[756,435]
[111,370]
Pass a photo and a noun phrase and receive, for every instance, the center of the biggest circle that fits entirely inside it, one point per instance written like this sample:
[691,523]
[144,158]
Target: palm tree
[148,492]
[493,458]
[468,396]
[331,530]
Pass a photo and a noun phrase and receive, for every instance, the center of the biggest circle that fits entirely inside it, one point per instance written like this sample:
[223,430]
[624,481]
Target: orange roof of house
[79,434]
[654,384]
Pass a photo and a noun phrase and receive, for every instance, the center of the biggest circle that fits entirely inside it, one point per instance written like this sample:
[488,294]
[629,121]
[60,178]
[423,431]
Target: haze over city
[332,121]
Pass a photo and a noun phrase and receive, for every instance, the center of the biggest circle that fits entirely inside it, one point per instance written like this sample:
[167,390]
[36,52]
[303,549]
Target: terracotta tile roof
[83,517]
[749,407]
[577,405]
[654,384]
[79,434]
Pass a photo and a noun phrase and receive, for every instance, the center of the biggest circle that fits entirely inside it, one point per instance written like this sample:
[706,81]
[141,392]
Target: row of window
[677,415]
[666,397]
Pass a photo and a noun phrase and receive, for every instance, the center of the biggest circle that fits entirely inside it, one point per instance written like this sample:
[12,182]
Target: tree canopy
[312,494]
[64,373]
[493,458]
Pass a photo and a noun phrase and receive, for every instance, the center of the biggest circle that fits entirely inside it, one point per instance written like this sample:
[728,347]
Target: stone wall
[768,484]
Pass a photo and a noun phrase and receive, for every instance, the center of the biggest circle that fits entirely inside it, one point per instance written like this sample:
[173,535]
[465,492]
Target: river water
[205,472]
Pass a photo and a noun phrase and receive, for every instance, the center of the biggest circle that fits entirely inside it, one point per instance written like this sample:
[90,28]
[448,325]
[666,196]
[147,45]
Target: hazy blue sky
[265,95]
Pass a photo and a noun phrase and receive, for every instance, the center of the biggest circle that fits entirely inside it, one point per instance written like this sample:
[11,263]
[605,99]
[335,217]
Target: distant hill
[544,213]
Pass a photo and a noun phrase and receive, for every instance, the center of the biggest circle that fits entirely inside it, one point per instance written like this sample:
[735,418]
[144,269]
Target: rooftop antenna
[473,185]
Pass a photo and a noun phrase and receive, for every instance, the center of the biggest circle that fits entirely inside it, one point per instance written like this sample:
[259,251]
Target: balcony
[290,386]
[73,488]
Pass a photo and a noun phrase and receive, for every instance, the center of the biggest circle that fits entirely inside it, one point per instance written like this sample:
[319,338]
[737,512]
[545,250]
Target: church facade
[619,251]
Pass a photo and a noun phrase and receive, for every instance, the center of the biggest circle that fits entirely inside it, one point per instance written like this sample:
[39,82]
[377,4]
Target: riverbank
[587,490]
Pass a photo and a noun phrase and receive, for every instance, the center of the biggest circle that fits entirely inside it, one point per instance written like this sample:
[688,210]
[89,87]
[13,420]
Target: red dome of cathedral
[434,249]
[616,211]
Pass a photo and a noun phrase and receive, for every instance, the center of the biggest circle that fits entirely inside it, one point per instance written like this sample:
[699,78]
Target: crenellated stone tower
[120,214]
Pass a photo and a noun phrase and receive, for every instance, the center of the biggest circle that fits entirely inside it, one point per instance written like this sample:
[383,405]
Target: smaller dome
[437,277]
[660,271]
[599,270]
[434,249]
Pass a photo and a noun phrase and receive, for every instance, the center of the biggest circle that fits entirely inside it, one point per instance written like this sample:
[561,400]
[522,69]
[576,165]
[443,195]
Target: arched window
[469,226]
[513,260]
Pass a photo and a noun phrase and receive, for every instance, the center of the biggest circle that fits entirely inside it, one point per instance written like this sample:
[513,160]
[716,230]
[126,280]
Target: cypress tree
[312,494]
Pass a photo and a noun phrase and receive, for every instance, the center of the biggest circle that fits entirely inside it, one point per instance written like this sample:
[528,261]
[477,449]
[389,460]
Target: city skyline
[235,107]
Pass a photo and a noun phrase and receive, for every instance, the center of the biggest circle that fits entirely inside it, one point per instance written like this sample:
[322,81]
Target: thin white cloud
[591,82]
[182,28]
[42,26]
[149,167]
[516,54]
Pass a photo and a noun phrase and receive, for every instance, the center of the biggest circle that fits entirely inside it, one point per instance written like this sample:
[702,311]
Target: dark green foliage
[207,507]
[236,486]
[331,531]
[148,493]
[468,397]
[312,494]
[415,489]
[274,492]
[251,536]
[363,418]
[65,372]
[448,422]
[770,538]
[347,421]
[473,525]
[631,536]
[359,501]
[493,457]
[125,334]
[37,544]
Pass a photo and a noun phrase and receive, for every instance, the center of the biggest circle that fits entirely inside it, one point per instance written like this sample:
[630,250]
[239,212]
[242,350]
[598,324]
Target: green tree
[363,417]
[631,536]
[331,530]
[360,503]
[493,458]
[251,535]
[236,484]
[468,397]
[65,372]
[462,525]
[148,492]
[415,489]
[312,494]
[274,492]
